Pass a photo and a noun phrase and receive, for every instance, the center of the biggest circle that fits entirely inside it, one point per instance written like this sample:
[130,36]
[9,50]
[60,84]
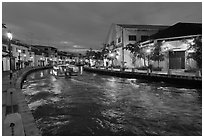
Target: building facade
[47,55]
[175,43]
[121,35]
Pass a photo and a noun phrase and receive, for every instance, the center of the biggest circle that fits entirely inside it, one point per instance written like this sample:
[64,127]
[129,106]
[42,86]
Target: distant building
[63,57]
[121,35]
[21,54]
[45,55]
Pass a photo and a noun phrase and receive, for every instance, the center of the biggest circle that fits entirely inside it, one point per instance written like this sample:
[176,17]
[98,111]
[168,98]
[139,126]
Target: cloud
[77,46]
[66,42]
[85,25]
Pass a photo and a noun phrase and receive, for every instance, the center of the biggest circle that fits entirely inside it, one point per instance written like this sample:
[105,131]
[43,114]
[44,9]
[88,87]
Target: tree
[157,55]
[104,51]
[89,53]
[196,46]
[136,50]
[99,55]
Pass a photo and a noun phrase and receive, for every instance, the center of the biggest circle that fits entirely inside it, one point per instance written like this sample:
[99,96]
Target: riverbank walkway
[20,107]
[177,77]
[173,72]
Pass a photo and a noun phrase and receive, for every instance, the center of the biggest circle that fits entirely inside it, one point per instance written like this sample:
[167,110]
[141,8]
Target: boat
[65,70]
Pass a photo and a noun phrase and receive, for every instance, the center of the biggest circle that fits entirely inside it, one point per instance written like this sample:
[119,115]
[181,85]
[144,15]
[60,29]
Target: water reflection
[93,104]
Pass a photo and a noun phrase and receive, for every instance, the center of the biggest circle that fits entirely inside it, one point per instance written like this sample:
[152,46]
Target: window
[144,37]
[4,48]
[23,51]
[119,40]
[132,38]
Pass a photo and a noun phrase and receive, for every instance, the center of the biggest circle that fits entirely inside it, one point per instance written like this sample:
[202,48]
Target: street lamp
[19,58]
[10,36]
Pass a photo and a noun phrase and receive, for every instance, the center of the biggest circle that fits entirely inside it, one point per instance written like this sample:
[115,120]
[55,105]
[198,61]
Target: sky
[79,26]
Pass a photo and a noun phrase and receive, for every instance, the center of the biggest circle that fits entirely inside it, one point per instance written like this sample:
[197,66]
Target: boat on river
[65,70]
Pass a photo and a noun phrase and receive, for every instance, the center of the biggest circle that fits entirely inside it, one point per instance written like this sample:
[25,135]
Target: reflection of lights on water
[55,99]
[112,79]
[112,82]
[42,83]
[57,88]
[35,104]
[32,76]
[133,83]
[30,91]
[53,78]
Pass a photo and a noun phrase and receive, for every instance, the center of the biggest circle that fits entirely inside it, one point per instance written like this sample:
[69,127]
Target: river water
[93,104]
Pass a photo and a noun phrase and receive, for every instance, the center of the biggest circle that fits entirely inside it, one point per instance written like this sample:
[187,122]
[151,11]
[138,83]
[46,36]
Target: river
[100,105]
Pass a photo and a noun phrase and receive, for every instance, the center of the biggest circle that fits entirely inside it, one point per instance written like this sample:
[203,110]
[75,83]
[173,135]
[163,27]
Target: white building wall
[127,55]
[176,45]
[6,63]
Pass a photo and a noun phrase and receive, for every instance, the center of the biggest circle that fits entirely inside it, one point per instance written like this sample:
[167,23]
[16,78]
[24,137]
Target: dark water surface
[94,104]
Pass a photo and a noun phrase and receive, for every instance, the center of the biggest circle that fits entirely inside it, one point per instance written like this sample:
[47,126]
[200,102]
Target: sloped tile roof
[178,30]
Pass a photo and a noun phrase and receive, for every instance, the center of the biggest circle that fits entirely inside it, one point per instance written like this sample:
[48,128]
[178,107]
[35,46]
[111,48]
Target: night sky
[80,26]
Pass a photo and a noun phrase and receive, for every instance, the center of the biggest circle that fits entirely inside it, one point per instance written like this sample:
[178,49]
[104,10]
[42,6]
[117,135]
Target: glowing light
[112,55]
[19,51]
[41,74]
[148,50]
[9,35]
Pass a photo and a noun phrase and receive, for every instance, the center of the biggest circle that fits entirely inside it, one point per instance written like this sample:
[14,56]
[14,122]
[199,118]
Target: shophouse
[5,49]
[63,57]
[20,55]
[5,57]
[121,35]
